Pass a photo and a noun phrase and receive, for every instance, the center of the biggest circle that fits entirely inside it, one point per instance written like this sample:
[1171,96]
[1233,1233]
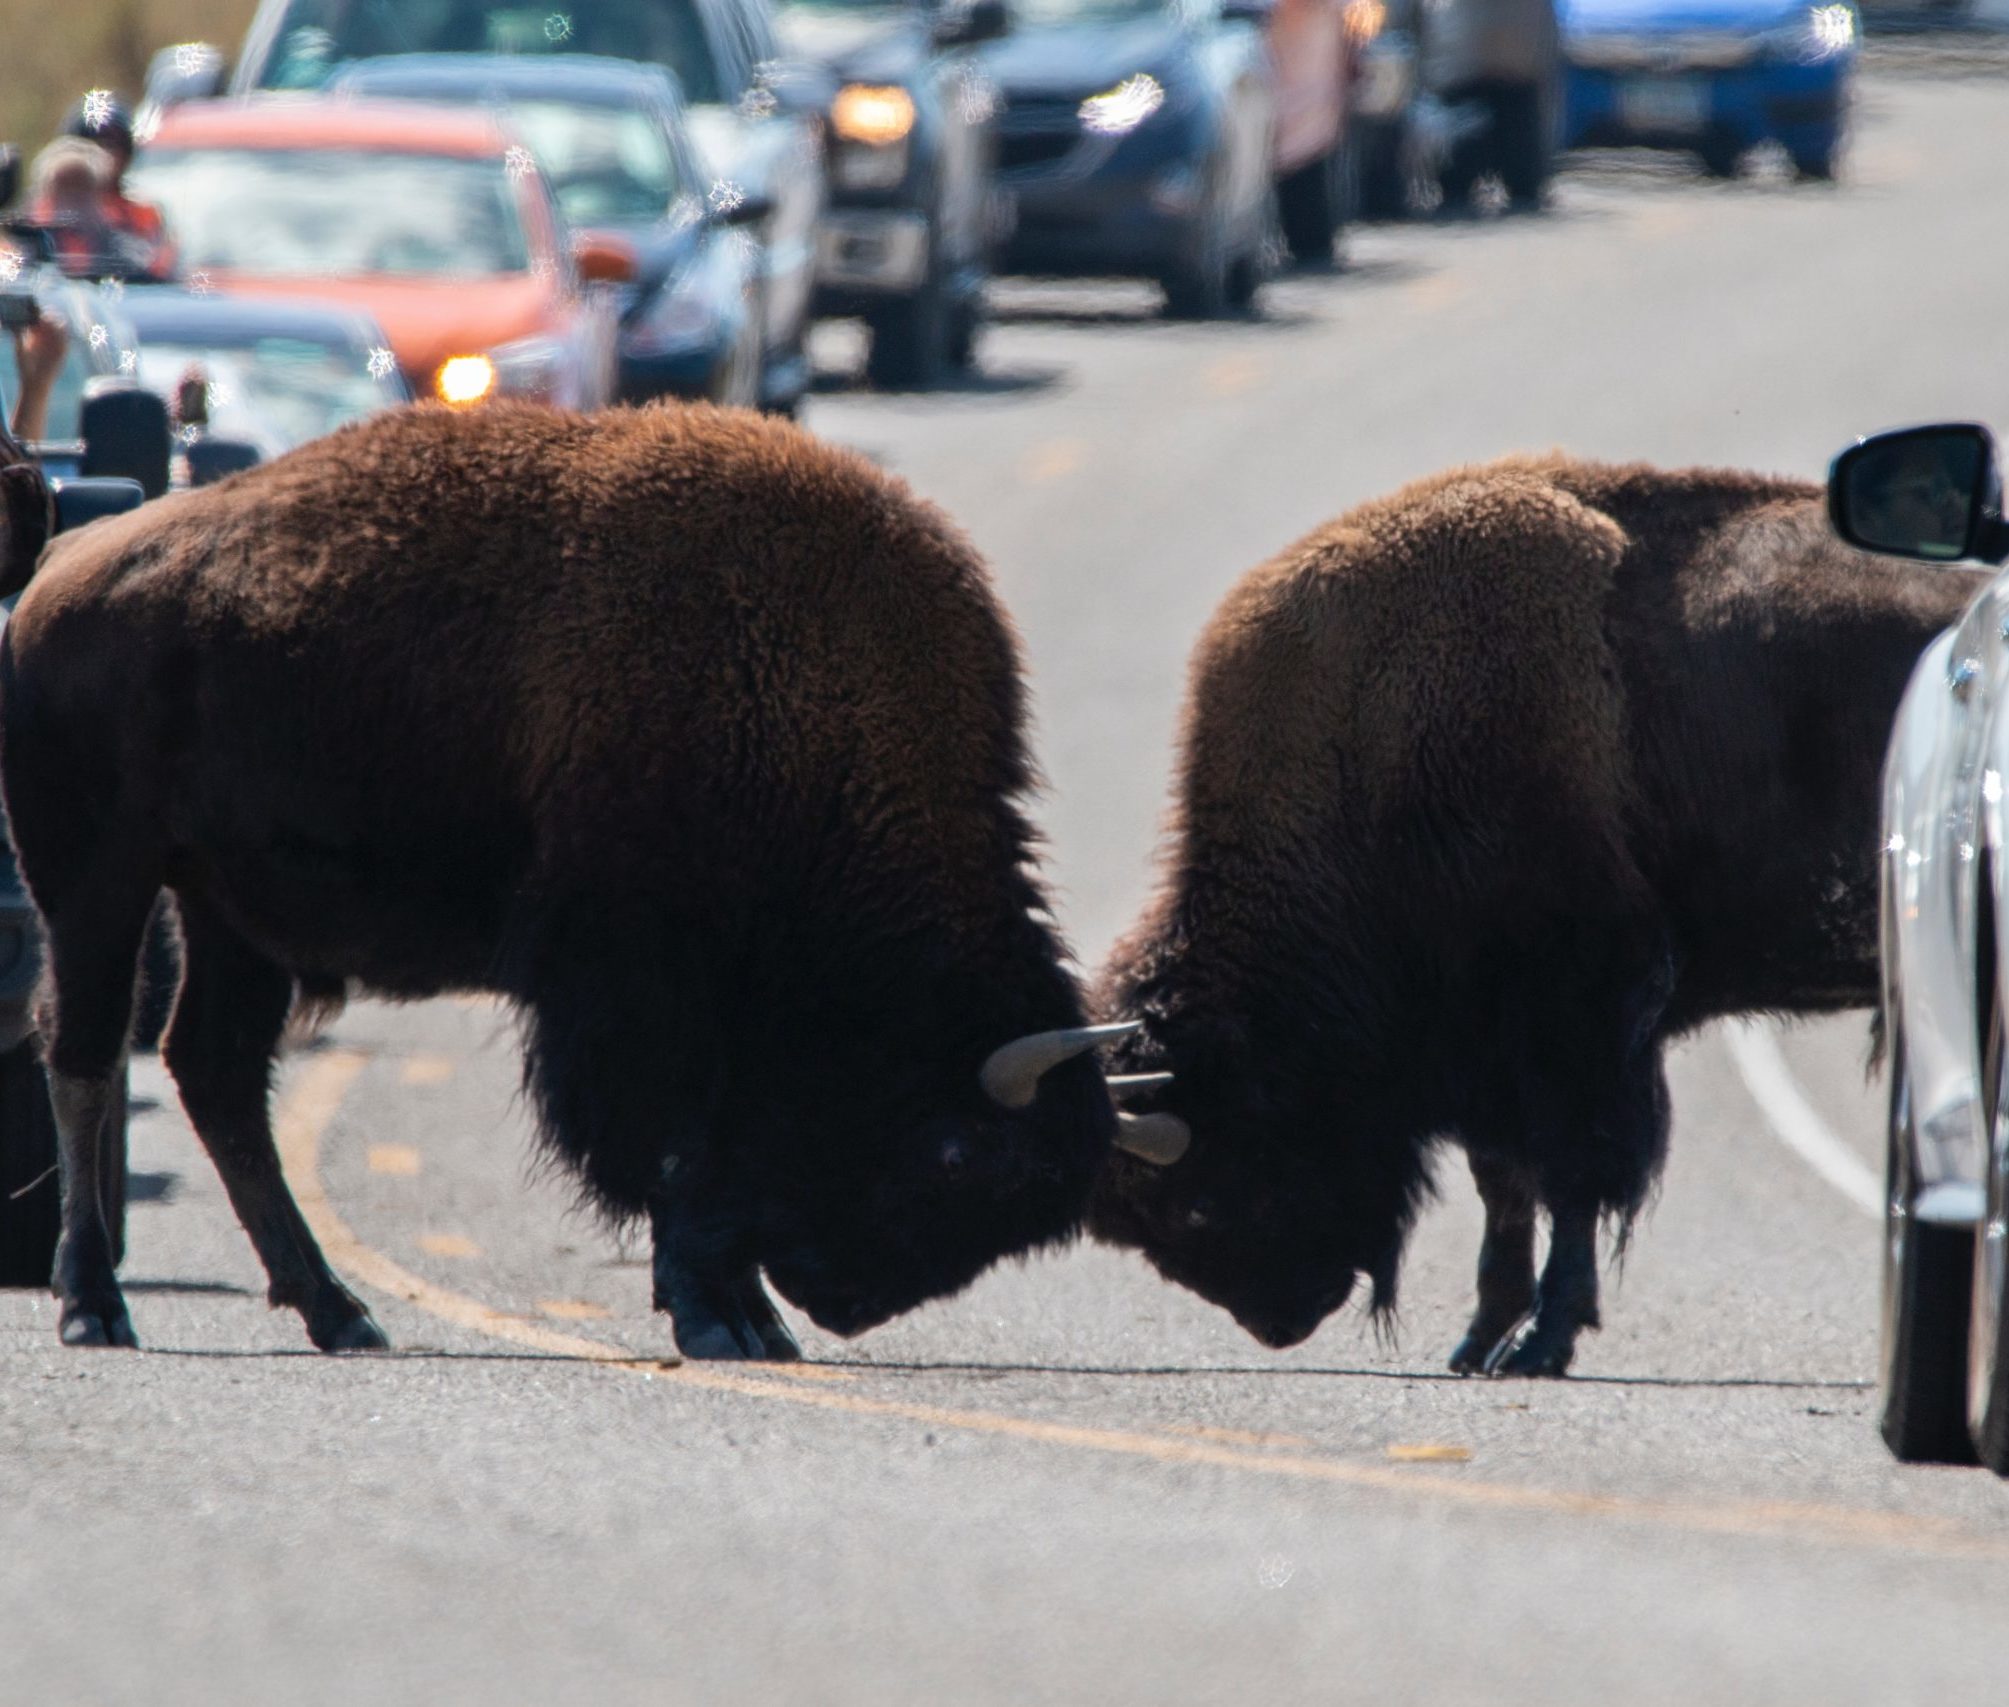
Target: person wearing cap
[101,117]
[66,188]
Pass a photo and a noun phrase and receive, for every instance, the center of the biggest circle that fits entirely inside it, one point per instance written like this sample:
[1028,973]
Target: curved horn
[1160,1139]
[1011,1076]
[1123,1085]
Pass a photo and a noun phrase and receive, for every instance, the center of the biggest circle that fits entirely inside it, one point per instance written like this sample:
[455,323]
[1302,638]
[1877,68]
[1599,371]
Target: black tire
[1524,143]
[911,336]
[1381,173]
[1988,1301]
[1196,286]
[1928,1280]
[1816,168]
[31,1210]
[1721,159]
[966,330]
[1311,203]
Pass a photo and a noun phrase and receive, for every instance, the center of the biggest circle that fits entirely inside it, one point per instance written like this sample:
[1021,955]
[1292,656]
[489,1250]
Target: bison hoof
[717,1341]
[108,1326]
[1475,1352]
[359,1333]
[1533,1354]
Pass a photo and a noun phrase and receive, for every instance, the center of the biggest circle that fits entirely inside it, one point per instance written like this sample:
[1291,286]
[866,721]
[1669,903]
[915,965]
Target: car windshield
[296,212]
[607,165]
[276,392]
[317,36]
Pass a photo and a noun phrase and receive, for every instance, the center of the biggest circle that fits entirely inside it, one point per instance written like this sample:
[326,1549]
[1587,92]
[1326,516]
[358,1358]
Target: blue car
[611,136]
[1713,78]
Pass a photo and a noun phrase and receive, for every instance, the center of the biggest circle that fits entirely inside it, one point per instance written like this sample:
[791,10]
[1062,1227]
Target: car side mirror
[1932,493]
[603,260]
[126,434]
[971,23]
[188,71]
[211,460]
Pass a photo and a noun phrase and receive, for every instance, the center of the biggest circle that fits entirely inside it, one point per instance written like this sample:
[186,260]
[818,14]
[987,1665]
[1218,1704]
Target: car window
[1032,14]
[607,165]
[294,212]
[315,37]
[277,392]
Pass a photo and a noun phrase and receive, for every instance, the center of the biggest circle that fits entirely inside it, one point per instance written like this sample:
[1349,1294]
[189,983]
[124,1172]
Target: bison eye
[1198,1216]
[955,1160]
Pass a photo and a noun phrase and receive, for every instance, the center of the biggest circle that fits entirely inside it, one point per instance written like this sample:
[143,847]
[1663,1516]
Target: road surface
[1075,1484]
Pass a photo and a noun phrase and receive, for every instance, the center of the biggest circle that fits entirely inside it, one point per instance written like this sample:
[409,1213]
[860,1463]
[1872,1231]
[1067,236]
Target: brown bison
[699,741]
[1488,790]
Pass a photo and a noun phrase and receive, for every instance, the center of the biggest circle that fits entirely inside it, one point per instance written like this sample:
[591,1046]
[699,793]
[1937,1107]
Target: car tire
[966,330]
[1382,173]
[1988,1320]
[31,1206]
[1721,159]
[1524,143]
[1312,204]
[911,336]
[1196,287]
[1928,1279]
[1817,166]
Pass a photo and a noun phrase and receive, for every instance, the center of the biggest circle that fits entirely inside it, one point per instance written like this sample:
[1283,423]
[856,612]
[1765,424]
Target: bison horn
[1011,1076]
[1123,1085]
[1157,1138]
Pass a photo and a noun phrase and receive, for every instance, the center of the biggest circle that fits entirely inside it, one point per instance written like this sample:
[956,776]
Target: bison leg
[94,944]
[718,1309]
[220,1046]
[1506,1262]
[1565,1303]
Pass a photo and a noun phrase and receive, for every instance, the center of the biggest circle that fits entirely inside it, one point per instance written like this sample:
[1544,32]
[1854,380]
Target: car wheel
[910,338]
[31,1213]
[1928,1276]
[1312,204]
[1988,1323]
[1196,288]
[1817,165]
[1382,172]
[966,330]
[1721,159]
[1524,149]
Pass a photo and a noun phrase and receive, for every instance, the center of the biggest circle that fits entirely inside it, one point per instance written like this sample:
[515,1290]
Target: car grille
[1036,131]
[1700,50]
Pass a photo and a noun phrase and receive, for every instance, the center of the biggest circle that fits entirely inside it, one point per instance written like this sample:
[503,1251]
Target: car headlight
[464,381]
[1119,111]
[873,114]
[1819,34]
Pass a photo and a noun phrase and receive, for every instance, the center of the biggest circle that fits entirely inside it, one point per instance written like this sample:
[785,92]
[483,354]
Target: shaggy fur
[699,740]
[1488,789]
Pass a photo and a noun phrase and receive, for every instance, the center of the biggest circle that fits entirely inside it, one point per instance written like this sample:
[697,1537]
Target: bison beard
[699,741]
[1488,790]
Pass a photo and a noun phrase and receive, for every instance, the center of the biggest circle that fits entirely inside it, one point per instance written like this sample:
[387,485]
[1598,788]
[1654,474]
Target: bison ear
[27,519]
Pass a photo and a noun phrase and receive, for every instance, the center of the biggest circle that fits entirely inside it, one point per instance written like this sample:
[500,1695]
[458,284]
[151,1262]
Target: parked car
[914,217]
[1385,130]
[434,222]
[611,137]
[1136,139]
[1314,56]
[1492,70]
[757,122]
[1935,494]
[1712,77]
[273,374]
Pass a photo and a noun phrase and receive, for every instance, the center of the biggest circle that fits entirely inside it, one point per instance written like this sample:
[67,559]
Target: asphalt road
[1074,1484]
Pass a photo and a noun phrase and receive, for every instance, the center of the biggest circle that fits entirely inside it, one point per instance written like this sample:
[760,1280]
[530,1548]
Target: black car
[1135,138]
[907,240]
[610,136]
[758,130]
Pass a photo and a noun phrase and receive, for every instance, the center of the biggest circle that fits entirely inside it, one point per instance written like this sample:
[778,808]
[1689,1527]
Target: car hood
[425,320]
[1082,58]
[888,48]
[1655,17]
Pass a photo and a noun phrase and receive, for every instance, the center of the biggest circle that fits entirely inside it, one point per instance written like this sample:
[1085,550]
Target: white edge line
[1755,1050]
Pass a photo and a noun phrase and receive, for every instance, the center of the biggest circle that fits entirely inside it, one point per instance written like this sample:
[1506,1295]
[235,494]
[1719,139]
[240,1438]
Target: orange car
[433,220]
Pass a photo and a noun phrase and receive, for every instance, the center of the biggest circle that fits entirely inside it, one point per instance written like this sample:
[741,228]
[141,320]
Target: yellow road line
[1054,460]
[399,1159]
[315,1094]
[448,1245]
[426,1070]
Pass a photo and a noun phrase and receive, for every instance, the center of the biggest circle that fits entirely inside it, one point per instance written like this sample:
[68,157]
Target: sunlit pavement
[1075,1484]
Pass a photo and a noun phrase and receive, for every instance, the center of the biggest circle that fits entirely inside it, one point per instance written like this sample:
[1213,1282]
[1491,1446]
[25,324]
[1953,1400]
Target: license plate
[1664,103]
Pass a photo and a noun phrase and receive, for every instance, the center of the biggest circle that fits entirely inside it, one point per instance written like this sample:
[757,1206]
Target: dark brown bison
[699,741]
[1488,790]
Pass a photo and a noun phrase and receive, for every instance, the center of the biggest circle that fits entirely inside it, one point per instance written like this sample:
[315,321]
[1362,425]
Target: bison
[700,742]
[1488,789]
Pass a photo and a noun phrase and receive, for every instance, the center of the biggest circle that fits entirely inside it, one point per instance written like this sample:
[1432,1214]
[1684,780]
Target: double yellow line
[314,1096]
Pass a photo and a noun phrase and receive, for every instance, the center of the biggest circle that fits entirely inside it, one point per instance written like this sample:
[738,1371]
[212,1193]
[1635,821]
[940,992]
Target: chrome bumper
[871,250]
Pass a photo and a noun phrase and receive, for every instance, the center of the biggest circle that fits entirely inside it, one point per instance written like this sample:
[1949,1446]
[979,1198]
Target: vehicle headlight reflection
[1118,111]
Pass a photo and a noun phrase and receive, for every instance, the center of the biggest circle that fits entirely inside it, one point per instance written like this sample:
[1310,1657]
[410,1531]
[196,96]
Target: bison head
[962,1165]
[1278,1207]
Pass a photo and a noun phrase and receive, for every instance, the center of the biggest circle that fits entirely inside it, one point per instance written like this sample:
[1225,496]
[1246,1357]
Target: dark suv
[906,241]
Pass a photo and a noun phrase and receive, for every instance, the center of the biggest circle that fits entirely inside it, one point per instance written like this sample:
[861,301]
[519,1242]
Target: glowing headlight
[866,113]
[1365,19]
[463,380]
[1117,111]
[1831,30]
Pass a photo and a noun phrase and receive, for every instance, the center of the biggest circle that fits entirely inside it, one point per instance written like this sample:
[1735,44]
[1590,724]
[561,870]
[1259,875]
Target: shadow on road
[1271,1372]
